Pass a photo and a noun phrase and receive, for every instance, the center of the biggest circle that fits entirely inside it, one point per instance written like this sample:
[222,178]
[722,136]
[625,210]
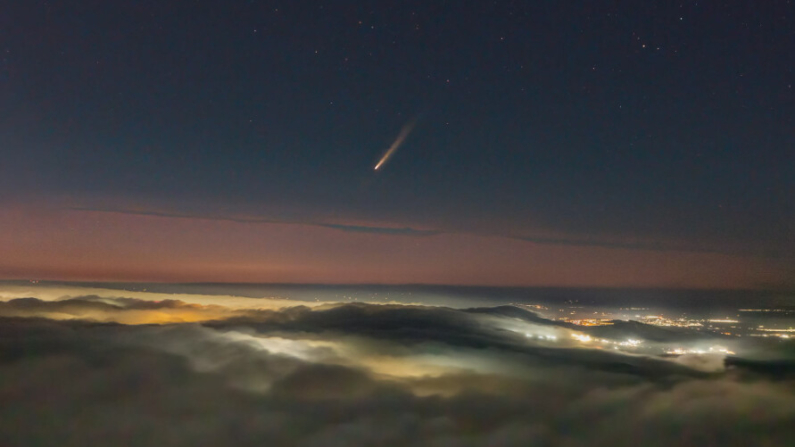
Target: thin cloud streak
[398,231]
[655,246]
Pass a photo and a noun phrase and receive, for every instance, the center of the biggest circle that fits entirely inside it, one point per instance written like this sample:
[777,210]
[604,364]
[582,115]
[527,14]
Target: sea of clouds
[102,370]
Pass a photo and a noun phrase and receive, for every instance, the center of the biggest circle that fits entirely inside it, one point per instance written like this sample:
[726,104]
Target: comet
[404,133]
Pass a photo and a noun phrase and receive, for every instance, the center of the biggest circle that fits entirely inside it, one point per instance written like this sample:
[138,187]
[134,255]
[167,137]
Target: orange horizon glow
[98,246]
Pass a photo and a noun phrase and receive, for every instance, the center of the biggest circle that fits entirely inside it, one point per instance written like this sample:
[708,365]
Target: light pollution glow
[424,375]
[376,356]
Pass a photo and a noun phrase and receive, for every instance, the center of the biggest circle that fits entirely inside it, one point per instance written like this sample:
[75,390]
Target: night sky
[574,143]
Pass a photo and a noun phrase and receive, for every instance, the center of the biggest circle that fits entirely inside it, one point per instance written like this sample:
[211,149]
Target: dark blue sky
[664,125]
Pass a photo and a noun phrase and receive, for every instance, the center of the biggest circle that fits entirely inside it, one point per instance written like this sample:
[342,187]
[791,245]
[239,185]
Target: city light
[582,337]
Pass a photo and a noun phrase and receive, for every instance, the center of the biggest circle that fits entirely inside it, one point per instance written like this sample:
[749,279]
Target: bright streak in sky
[404,133]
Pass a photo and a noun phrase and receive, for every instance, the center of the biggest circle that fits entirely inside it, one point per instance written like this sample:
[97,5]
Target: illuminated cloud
[361,374]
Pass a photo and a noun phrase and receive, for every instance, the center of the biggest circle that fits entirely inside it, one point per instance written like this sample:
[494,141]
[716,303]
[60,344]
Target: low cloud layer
[97,371]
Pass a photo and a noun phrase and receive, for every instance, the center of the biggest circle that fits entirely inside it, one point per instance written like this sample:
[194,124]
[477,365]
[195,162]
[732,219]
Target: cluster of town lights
[630,343]
[712,350]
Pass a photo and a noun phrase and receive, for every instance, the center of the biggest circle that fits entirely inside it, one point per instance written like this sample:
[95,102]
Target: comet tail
[404,133]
